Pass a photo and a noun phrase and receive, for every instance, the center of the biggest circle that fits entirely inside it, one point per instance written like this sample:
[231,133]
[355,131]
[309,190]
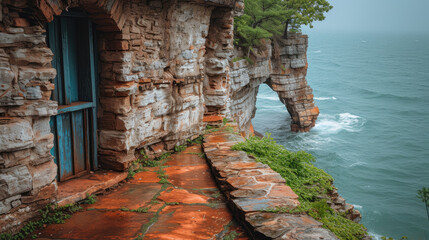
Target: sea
[372,134]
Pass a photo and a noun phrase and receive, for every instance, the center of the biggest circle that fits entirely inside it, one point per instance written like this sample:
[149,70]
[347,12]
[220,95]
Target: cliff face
[283,66]
[162,67]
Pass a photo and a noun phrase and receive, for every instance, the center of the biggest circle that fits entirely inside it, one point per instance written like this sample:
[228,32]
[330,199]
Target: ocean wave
[375,236]
[272,98]
[357,206]
[318,51]
[382,95]
[331,124]
[325,98]
[356,164]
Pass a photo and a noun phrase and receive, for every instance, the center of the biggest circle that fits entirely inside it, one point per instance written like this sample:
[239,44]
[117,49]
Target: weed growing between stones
[90,199]
[180,148]
[211,129]
[310,183]
[231,236]
[139,210]
[198,140]
[50,214]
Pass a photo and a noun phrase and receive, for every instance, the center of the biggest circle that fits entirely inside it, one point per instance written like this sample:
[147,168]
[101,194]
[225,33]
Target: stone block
[7,204]
[43,174]
[6,78]
[14,181]
[15,134]
[38,55]
[9,40]
[35,108]
[297,63]
[115,140]
[162,108]
[119,105]
[215,66]
[33,93]
[122,68]
[107,56]
[11,159]
[45,192]
[42,149]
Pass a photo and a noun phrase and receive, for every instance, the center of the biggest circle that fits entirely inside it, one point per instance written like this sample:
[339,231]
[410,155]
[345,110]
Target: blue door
[71,39]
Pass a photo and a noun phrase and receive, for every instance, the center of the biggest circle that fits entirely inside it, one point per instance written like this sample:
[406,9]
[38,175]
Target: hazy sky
[377,15]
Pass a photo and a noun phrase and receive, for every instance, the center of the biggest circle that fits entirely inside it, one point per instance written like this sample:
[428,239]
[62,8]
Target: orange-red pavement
[190,207]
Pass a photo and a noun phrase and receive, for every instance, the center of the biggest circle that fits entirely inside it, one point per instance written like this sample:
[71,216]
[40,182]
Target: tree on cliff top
[267,18]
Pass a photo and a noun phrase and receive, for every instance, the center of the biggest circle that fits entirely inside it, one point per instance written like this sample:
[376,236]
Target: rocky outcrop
[283,66]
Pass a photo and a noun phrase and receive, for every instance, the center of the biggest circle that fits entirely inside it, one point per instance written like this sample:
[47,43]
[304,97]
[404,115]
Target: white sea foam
[363,41]
[375,236]
[318,51]
[272,98]
[357,206]
[272,107]
[356,164]
[331,124]
[325,98]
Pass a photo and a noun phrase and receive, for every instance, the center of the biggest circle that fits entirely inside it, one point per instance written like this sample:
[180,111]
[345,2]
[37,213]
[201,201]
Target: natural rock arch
[283,67]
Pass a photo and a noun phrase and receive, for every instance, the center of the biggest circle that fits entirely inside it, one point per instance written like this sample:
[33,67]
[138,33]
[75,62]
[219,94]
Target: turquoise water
[372,134]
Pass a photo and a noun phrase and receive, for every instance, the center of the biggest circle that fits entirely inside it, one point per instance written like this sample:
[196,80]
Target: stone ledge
[77,189]
[252,187]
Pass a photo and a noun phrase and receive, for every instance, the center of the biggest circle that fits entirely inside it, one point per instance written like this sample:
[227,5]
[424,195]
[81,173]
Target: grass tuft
[307,181]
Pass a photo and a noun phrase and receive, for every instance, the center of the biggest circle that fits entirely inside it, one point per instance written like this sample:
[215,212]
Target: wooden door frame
[59,47]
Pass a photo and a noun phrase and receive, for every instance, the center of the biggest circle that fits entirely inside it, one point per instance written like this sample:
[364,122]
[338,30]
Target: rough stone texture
[154,69]
[165,70]
[184,209]
[251,188]
[283,67]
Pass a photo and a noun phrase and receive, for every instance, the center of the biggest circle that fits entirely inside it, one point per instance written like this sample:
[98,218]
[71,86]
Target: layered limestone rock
[157,62]
[283,66]
[162,67]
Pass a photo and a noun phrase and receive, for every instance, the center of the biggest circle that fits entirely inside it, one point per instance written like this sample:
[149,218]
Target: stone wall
[27,169]
[163,66]
[152,58]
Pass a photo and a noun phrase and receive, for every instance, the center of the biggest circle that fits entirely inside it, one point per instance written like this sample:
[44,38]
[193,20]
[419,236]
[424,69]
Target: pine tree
[261,19]
[305,12]
[267,18]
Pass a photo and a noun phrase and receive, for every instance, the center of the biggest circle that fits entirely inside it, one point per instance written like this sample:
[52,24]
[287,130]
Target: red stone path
[191,207]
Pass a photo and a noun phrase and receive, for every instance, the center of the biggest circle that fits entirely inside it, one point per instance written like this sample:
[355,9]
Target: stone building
[86,83]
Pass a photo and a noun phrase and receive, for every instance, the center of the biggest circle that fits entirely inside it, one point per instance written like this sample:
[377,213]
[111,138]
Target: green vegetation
[90,199]
[139,210]
[389,238]
[423,195]
[211,129]
[248,59]
[307,181]
[50,214]
[231,236]
[150,163]
[180,148]
[263,19]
